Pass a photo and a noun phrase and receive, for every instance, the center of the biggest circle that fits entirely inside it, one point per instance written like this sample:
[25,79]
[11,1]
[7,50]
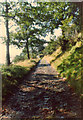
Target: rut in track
[43,95]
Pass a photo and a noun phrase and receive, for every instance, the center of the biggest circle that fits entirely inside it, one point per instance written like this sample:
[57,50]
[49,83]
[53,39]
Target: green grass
[13,75]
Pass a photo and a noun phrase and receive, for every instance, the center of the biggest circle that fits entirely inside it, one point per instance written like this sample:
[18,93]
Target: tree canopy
[35,21]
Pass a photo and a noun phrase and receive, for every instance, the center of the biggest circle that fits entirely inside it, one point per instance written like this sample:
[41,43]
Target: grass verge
[13,75]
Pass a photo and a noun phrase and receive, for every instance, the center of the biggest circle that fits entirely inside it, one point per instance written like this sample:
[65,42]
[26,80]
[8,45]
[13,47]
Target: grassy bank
[69,65]
[14,74]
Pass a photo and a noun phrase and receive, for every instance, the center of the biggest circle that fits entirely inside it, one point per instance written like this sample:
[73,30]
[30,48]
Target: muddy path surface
[42,96]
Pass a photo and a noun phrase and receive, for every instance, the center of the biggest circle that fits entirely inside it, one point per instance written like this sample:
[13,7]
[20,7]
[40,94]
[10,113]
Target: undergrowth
[13,75]
[69,65]
[71,68]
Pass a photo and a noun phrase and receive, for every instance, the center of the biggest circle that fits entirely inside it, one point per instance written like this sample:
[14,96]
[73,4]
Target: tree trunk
[8,39]
[27,47]
[64,41]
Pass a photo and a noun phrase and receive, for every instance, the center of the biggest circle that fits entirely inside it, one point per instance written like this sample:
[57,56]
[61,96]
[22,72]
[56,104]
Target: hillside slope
[69,65]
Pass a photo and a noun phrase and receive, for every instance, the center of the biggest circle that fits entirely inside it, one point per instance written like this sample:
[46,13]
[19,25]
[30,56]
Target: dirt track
[43,95]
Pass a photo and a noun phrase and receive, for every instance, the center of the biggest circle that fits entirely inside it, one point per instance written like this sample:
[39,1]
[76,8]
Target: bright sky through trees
[13,50]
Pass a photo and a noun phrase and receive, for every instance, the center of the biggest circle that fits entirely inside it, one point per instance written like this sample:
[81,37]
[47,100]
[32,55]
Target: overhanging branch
[9,17]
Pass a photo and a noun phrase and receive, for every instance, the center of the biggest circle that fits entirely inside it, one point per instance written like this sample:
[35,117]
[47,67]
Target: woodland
[32,24]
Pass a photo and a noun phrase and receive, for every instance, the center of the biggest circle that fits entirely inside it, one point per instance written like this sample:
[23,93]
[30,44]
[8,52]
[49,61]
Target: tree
[8,38]
[61,14]
[6,14]
[29,29]
[40,19]
[67,14]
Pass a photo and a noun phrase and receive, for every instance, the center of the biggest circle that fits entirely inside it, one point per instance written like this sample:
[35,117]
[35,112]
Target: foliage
[51,47]
[35,21]
[63,15]
[27,33]
[11,77]
[68,14]
[19,58]
[5,11]
[69,65]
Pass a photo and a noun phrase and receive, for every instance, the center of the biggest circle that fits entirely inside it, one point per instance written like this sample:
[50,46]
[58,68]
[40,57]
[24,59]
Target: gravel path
[43,95]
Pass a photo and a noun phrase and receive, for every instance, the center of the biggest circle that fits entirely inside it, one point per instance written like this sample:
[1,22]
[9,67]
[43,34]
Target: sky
[18,0]
[13,50]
